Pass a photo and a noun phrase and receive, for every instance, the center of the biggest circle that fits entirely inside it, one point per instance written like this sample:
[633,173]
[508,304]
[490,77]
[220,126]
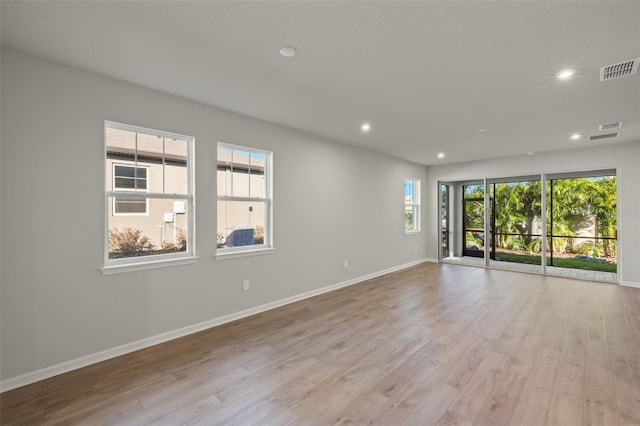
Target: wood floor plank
[599,409]
[433,405]
[363,411]
[465,366]
[528,414]
[452,419]
[503,398]
[541,380]
[599,368]
[521,358]
[475,392]
[407,393]
[434,344]
[267,412]
[333,396]
[595,327]
[626,377]
[567,401]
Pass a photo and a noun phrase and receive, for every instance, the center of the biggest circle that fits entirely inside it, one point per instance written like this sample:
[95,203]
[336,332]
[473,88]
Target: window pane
[175,166]
[130,178]
[409,193]
[149,146]
[474,241]
[241,223]
[124,183]
[130,205]
[125,171]
[256,175]
[162,230]
[141,183]
[474,211]
[240,175]
[473,220]
[409,218]
[444,208]
[224,181]
[120,145]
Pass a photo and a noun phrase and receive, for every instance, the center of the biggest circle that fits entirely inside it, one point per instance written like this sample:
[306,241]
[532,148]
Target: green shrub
[534,246]
[588,248]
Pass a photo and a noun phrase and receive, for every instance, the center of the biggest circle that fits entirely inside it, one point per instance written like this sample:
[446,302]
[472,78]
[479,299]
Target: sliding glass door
[582,222]
[553,223]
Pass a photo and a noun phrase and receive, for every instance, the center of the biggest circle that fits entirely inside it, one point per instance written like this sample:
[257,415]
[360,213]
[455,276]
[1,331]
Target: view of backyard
[580,222]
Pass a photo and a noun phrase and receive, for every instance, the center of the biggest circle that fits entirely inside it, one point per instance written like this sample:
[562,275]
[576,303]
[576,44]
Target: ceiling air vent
[619,70]
[610,126]
[605,136]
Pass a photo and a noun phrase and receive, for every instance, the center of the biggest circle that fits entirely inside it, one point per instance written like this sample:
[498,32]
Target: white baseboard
[630,284]
[74,364]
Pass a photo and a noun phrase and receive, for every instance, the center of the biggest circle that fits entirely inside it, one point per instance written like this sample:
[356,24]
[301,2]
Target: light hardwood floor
[433,344]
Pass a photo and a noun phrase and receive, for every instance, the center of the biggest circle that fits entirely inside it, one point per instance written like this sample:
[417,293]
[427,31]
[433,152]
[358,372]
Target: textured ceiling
[426,75]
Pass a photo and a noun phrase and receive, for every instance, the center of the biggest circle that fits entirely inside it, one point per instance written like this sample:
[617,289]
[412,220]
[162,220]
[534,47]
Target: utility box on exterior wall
[240,237]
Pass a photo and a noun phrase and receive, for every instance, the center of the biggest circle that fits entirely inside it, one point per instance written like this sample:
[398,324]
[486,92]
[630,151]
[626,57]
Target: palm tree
[517,205]
[602,200]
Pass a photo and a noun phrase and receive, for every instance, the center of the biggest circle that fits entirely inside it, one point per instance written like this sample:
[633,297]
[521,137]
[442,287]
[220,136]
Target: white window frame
[415,206]
[137,263]
[115,189]
[267,247]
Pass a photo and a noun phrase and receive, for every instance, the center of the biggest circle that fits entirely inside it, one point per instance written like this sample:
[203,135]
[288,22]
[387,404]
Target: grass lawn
[560,262]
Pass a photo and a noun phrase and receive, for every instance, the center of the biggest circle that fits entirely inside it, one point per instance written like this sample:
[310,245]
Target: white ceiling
[426,75]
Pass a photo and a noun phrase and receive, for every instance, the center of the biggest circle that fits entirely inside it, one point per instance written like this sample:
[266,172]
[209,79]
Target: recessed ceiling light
[441,155]
[564,74]
[531,153]
[481,130]
[288,51]
[365,127]
[576,136]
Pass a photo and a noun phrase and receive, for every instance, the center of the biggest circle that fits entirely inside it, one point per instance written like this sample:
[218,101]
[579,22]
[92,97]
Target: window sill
[243,253]
[411,232]
[142,266]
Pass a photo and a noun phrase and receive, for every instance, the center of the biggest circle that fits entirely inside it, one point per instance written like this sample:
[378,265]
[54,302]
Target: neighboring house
[143,163]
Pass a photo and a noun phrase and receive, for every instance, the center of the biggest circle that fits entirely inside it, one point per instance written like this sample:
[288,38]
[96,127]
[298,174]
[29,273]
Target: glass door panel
[473,220]
[444,214]
[517,222]
[582,223]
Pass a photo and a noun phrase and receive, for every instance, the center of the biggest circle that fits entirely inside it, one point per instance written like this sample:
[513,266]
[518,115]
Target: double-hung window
[411,206]
[244,200]
[148,196]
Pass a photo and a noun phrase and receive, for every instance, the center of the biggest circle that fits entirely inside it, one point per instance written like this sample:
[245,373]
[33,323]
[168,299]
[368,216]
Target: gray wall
[624,156]
[332,202]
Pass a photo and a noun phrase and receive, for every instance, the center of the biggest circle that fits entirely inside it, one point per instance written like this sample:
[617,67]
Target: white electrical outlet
[346,263]
[245,285]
